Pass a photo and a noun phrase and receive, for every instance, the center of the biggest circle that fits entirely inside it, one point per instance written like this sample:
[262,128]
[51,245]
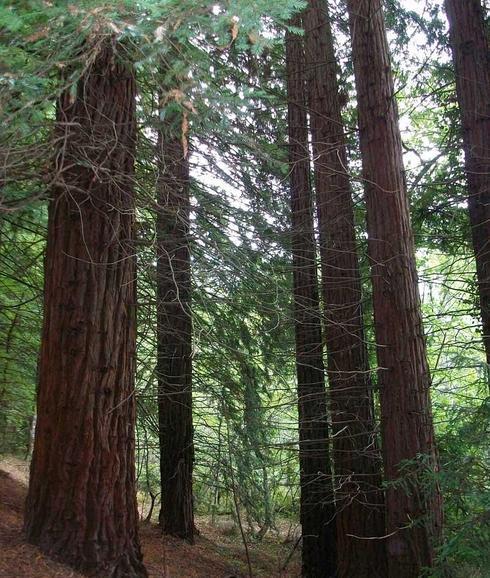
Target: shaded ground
[218,553]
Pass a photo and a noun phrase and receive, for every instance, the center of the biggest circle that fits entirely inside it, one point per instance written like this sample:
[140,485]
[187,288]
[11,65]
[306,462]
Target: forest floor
[218,552]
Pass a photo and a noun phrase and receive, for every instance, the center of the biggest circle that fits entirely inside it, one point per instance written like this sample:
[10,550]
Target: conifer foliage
[244,282]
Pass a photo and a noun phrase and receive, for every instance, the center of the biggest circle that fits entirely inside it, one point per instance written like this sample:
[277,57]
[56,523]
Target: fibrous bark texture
[81,505]
[317,509]
[471,56]
[174,325]
[356,458]
[413,506]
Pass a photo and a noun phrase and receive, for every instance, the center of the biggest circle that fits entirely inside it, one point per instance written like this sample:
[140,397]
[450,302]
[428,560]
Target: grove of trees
[245,273]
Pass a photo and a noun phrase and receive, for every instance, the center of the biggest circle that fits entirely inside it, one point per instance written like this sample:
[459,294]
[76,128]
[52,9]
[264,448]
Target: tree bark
[81,506]
[174,326]
[356,457]
[414,513]
[317,510]
[471,56]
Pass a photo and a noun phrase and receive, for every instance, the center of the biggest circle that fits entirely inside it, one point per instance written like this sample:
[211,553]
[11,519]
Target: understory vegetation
[153,257]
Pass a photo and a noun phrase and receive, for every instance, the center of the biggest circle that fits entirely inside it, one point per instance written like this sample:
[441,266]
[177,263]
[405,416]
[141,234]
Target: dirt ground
[218,553]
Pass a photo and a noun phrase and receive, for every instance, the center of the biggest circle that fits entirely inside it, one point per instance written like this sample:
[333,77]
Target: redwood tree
[81,505]
[174,326]
[317,510]
[356,458]
[413,503]
[471,56]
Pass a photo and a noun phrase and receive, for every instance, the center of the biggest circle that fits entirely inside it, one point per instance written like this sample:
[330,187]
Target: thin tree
[316,510]
[356,457]
[81,505]
[413,502]
[174,324]
[471,56]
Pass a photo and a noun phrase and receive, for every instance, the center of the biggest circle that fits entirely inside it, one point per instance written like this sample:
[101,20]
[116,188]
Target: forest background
[224,71]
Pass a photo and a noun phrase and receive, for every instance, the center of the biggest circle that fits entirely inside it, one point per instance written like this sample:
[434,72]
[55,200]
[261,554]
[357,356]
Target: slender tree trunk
[81,505]
[471,56]
[414,513]
[317,509]
[174,326]
[356,457]
[6,384]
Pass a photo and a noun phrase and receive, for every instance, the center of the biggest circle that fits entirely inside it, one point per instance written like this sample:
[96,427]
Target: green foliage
[226,60]
[21,260]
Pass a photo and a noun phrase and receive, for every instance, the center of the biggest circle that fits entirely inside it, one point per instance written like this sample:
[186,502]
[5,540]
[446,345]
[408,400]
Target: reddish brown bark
[174,326]
[414,515]
[81,505]
[356,457]
[471,56]
[316,510]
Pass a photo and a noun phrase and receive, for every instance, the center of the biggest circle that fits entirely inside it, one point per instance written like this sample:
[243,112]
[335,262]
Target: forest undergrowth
[245,288]
[217,553]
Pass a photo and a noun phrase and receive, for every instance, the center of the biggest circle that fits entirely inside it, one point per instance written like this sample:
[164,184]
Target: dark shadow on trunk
[174,327]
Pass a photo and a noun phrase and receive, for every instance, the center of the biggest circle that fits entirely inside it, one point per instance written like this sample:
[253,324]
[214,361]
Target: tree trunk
[471,56]
[81,506]
[356,457]
[174,326]
[414,514]
[317,510]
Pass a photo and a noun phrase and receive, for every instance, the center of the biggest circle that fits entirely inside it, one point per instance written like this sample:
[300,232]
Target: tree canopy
[215,77]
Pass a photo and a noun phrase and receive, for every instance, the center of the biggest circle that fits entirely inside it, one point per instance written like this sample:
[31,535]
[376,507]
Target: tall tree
[81,505]
[317,510]
[471,56]
[413,503]
[174,324]
[356,458]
